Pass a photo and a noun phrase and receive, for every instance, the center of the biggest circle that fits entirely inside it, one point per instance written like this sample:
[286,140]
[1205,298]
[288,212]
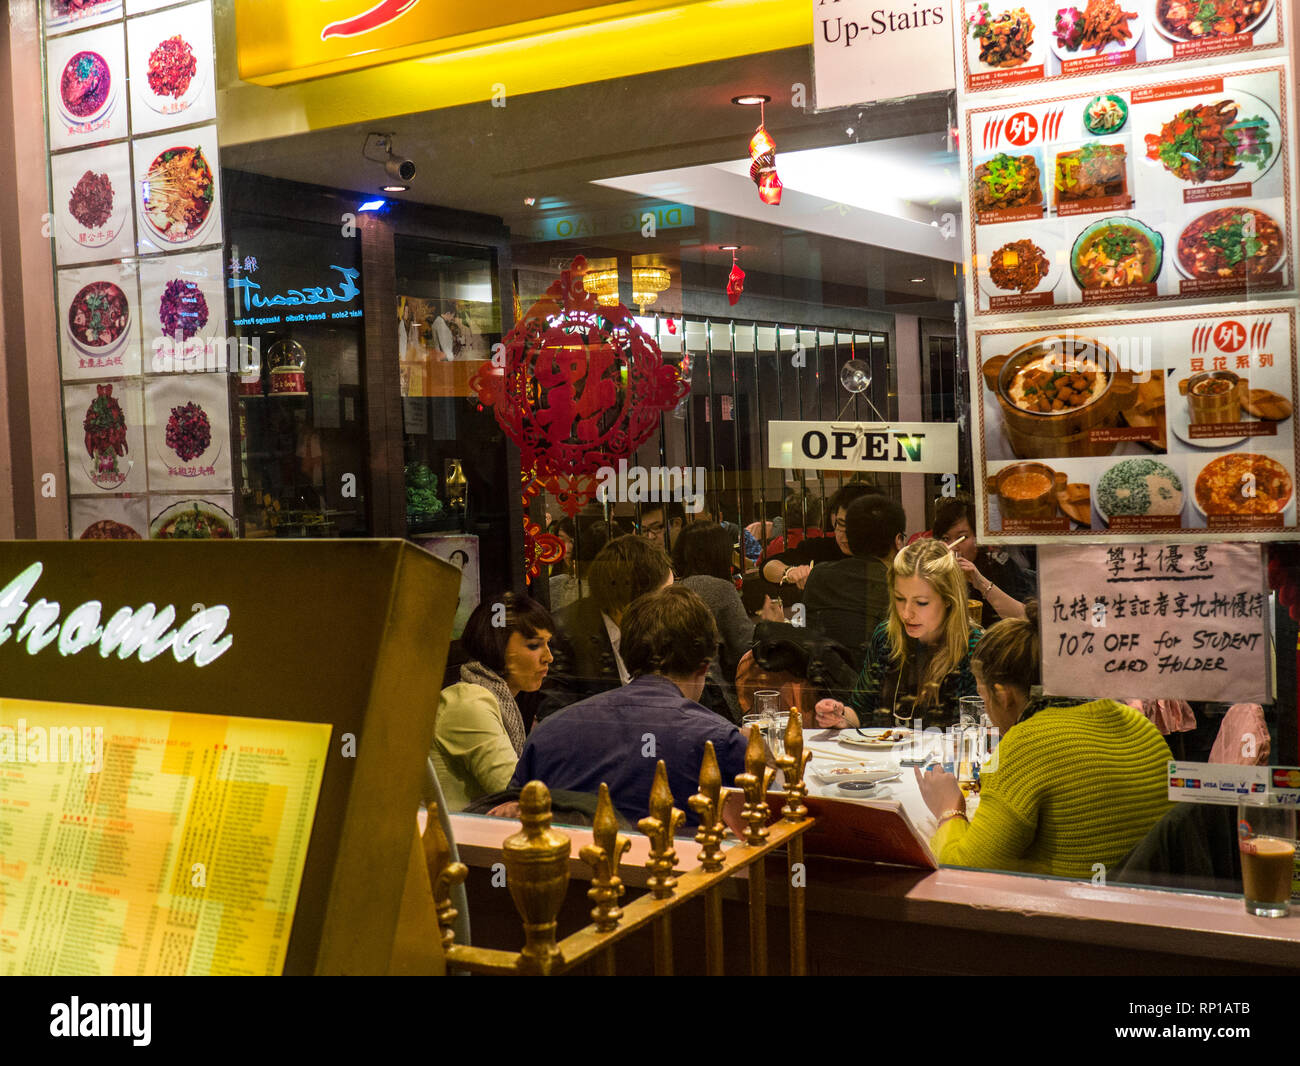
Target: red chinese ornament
[735,282]
[762,169]
[576,386]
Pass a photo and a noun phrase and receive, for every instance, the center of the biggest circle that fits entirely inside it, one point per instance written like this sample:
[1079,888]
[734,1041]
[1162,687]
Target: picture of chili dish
[1221,244]
[1243,484]
[1018,266]
[1007,181]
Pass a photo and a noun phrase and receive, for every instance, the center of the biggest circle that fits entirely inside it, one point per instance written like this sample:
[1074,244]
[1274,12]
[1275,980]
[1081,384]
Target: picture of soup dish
[1024,486]
[1115,254]
[1242,484]
[1211,387]
[1052,383]
[1232,242]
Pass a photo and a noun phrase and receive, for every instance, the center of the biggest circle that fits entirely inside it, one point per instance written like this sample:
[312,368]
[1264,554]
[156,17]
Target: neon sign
[144,631]
[254,300]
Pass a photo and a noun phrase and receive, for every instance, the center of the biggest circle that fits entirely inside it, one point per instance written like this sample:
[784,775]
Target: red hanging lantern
[762,168]
[576,387]
[735,282]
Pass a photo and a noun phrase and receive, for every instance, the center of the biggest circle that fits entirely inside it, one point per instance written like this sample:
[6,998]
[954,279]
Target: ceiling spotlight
[372,205]
[395,188]
[918,281]
[729,247]
[751,99]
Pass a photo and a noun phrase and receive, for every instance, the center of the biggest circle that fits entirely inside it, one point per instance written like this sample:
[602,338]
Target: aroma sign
[145,632]
[896,447]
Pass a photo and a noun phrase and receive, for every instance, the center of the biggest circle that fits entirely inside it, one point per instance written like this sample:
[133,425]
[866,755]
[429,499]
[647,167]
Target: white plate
[109,99]
[871,740]
[1151,118]
[1045,284]
[1177,421]
[1096,505]
[188,505]
[1136,25]
[1288,512]
[1170,35]
[833,774]
[169,105]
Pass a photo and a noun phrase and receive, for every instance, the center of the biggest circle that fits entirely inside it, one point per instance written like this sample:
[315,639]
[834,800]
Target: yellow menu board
[148,842]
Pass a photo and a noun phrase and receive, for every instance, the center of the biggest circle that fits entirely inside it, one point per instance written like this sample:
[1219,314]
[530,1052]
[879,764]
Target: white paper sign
[865,50]
[1204,782]
[1150,621]
[895,447]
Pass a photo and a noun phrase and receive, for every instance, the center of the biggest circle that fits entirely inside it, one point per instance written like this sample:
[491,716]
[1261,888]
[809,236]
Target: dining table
[853,749]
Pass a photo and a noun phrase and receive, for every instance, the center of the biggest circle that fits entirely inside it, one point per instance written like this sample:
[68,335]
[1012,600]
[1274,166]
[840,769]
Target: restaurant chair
[1193,847]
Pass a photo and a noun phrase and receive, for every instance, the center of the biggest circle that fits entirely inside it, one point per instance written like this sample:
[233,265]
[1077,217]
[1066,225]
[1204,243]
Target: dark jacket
[617,737]
[846,600]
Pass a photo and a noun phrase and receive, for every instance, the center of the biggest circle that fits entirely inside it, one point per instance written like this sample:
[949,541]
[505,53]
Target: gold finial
[707,803]
[537,871]
[792,764]
[754,782]
[602,855]
[660,827]
[444,874]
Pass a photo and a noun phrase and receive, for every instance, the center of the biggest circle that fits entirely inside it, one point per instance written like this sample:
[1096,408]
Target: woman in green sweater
[1071,788]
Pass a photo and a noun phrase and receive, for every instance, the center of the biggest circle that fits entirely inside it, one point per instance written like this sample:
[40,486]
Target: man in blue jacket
[668,640]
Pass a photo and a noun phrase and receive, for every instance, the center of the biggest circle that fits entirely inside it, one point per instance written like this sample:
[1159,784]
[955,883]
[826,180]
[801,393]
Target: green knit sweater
[1067,789]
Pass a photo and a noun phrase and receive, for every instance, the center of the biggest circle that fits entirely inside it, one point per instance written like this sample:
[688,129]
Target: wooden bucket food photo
[1214,396]
[1054,391]
[1028,490]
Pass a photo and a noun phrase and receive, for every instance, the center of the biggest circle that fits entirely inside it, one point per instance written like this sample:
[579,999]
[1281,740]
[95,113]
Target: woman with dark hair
[702,561]
[1072,783]
[479,732]
[994,579]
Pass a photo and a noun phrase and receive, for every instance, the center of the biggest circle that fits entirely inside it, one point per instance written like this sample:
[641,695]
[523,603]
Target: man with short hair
[588,644]
[846,600]
[661,523]
[791,567]
[669,638]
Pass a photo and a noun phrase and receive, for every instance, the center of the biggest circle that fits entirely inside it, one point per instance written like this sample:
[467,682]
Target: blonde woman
[918,664]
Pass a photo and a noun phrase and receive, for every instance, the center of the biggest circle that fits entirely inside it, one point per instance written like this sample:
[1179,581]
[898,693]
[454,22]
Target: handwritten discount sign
[1150,622]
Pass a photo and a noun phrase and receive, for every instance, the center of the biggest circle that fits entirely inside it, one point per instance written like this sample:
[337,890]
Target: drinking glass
[1266,836]
[768,704]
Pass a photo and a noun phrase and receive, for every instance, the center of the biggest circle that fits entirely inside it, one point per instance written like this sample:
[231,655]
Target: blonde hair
[934,563]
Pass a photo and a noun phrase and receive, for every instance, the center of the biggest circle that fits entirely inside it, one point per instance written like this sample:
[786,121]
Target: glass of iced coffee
[1267,838]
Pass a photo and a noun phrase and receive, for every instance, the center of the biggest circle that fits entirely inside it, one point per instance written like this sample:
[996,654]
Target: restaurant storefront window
[1016,363]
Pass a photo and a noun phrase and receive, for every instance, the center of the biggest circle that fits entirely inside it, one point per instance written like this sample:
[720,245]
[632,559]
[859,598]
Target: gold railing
[537,871]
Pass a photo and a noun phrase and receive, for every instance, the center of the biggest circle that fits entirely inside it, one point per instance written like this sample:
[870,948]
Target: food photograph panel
[1163,192]
[92,205]
[178,193]
[87,88]
[1139,425]
[188,420]
[183,313]
[203,517]
[64,16]
[110,518]
[105,433]
[99,319]
[1004,45]
[172,69]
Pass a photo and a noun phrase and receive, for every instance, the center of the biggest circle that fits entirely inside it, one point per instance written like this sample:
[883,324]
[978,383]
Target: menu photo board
[1133,193]
[1144,426]
[1005,45]
[1137,621]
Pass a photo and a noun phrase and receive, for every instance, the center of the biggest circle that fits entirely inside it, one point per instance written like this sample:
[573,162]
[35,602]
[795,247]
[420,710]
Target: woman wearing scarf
[479,733]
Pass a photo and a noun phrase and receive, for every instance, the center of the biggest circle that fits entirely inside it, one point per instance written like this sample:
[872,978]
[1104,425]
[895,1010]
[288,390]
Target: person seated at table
[668,640]
[587,647]
[479,731]
[762,599]
[918,665]
[702,563]
[846,600]
[995,578]
[1071,784]
[792,566]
